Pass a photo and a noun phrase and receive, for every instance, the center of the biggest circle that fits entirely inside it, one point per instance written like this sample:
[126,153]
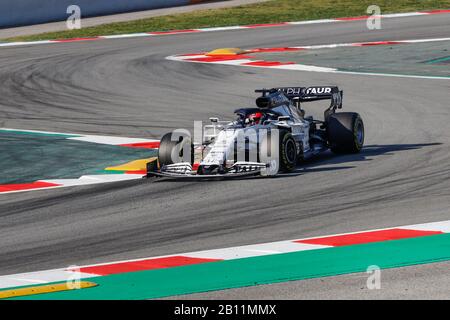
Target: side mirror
[284,118]
[214,120]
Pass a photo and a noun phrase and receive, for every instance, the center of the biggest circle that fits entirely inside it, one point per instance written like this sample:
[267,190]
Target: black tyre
[345,132]
[287,152]
[175,148]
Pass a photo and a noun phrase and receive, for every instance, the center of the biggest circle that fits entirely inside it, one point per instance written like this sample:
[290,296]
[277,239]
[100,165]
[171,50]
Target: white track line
[109,140]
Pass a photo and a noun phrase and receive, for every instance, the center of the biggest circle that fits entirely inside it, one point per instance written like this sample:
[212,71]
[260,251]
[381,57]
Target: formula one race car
[271,138]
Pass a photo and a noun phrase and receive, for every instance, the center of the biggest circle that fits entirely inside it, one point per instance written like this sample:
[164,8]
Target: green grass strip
[266,12]
[391,73]
[438,60]
[263,270]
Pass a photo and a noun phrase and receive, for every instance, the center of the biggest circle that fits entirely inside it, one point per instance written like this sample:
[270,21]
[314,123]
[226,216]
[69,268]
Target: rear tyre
[175,148]
[287,153]
[345,132]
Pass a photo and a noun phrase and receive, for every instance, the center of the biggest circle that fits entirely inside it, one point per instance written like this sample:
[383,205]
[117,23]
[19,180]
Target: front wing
[185,171]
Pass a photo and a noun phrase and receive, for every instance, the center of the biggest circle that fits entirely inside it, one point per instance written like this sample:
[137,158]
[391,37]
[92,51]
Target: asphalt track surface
[126,87]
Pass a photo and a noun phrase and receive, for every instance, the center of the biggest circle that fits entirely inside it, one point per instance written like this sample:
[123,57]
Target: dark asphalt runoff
[125,87]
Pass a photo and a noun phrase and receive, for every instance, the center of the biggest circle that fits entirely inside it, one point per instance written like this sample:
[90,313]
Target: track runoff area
[232,267]
[225,268]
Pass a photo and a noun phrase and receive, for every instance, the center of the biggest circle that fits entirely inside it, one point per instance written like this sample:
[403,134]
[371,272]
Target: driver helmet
[254,118]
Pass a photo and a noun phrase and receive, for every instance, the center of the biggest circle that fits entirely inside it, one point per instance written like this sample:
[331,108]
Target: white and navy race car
[271,138]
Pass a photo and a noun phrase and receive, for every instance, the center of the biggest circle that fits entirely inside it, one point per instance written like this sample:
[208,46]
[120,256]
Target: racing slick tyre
[345,132]
[175,148]
[287,152]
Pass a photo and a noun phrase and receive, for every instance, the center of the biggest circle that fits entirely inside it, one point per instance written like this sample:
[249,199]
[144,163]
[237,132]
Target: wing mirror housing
[284,118]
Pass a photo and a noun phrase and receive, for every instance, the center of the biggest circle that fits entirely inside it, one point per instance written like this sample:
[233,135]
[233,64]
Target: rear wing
[307,94]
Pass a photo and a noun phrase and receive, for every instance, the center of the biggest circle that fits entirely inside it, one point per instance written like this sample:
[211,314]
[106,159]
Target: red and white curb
[183,259]
[229,28]
[246,59]
[86,179]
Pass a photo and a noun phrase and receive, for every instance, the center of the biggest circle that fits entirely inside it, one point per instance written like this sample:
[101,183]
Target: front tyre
[175,148]
[345,132]
[281,155]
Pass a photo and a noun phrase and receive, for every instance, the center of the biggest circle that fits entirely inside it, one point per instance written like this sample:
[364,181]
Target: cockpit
[270,107]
